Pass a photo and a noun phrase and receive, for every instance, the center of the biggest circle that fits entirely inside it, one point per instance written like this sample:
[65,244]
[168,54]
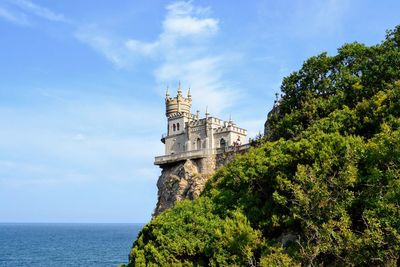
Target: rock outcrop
[186,179]
[183,180]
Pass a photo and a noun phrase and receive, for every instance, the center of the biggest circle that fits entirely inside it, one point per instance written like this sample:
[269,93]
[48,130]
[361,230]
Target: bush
[322,188]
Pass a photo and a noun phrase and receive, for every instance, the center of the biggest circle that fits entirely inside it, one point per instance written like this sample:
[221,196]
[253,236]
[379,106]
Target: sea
[69,244]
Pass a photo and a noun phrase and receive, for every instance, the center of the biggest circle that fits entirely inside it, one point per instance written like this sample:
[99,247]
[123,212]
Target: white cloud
[187,25]
[20,12]
[142,47]
[39,11]
[183,50]
[187,55]
[14,17]
[205,76]
[110,48]
[182,30]
[184,19]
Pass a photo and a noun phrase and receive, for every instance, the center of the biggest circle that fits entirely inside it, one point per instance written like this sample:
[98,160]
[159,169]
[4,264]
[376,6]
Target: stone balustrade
[195,154]
[160,160]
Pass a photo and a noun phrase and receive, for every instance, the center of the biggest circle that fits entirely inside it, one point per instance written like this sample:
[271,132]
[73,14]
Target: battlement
[231,128]
[199,122]
[178,105]
[176,114]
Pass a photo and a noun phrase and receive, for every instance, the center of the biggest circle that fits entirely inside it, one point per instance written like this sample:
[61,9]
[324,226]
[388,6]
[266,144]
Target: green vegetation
[321,189]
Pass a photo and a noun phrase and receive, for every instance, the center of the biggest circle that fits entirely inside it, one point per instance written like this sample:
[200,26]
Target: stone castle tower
[194,148]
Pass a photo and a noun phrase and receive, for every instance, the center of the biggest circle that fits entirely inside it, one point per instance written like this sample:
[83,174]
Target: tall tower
[177,111]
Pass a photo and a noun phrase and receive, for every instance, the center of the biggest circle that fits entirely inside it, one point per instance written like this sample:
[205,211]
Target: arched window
[222,142]
[174,127]
[198,144]
[177,126]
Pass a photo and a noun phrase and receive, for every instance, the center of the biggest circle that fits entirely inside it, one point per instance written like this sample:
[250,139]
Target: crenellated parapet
[199,122]
[179,104]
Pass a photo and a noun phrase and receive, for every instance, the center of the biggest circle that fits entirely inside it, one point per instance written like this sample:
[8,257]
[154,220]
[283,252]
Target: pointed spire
[179,89]
[189,95]
[230,122]
[207,112]
[167,92]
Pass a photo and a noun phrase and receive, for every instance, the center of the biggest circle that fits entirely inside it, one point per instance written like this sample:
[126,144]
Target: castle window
[174,127]
[222,142]
[198,144]
[177,126]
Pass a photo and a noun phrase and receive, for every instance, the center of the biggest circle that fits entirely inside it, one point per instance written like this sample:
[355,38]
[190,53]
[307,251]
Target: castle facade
[189,136]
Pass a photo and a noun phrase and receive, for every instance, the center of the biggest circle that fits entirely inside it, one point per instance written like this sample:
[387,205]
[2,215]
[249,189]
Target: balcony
[230,149]
[194,154]
[197,154]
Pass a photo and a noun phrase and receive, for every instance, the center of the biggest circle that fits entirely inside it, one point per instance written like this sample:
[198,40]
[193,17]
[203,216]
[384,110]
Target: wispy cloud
[185,19]
[183,30]
[187,55]
[21,12]
[38,10]
[183,51]
[109,47]
[14,17]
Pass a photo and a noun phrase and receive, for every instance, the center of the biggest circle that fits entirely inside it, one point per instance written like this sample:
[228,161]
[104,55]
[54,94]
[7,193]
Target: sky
[82,86]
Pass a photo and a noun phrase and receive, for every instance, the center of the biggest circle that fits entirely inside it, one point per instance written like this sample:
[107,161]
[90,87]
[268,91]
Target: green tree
[321,189]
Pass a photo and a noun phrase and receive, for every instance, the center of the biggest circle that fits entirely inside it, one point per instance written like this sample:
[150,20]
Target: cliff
[183,180]
[186,179]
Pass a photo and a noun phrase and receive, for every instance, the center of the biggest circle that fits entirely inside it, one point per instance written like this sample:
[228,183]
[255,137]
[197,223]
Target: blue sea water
[41,244]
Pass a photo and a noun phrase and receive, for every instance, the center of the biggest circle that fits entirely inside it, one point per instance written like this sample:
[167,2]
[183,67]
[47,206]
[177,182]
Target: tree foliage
[191,234]
[321,189]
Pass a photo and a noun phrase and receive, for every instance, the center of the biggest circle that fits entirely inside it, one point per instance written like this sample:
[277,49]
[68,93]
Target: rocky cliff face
[182,180]
[186,179]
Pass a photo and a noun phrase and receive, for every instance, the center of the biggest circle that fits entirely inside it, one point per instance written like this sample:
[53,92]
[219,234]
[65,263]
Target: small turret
[179,104]
[179,90]
[167,96]
[230,122]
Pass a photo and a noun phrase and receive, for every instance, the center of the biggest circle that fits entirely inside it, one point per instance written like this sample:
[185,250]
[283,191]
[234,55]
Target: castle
[194,149]
[191,137]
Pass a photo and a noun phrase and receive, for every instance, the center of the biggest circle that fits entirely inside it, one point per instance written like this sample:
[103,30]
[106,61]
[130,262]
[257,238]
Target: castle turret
[189,95]
[179,104]
[167,93]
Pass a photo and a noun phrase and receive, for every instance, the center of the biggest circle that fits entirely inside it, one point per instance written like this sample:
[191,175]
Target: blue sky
[82,88]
